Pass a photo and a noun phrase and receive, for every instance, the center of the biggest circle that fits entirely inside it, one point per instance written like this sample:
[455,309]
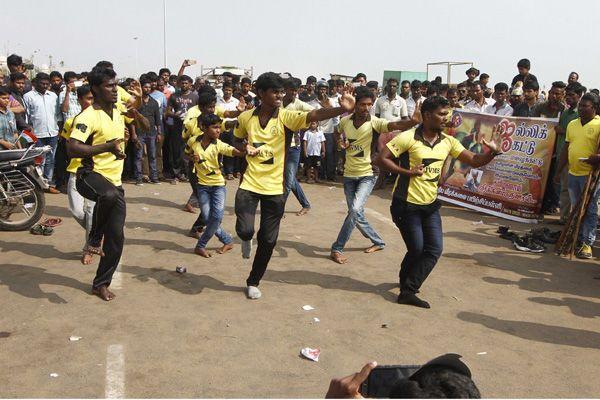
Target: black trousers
[61,161]
[176,146]
[193,178]
[108,221]
[271,212]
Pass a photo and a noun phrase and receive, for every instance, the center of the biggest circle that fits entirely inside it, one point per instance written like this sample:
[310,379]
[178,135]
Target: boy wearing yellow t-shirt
[81,208]
[206,149]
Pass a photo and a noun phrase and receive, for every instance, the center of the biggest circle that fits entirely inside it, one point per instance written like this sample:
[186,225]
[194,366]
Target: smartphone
[383,378]
[192,62]
[78,84]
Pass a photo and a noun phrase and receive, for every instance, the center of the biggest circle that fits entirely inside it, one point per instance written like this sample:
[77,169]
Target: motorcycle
[22,188]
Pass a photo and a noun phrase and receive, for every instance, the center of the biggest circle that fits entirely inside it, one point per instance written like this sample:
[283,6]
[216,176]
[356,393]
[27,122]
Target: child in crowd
[314,151]
[8,124]
[211,184]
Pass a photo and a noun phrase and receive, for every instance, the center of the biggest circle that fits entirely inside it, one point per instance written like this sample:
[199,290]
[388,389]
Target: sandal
[94,250]
[52,222]
[38,229]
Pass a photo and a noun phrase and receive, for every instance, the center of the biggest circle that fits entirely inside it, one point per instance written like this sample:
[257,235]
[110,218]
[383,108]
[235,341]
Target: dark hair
[153,76]
[207,89]
[227,73]
[433,88]
[416,84]
[83,75]
[4,91]
[593,97]
[99,75]
[311,79]
[438,79]
[483,76]
[433,103]
[55,73]
[595,91]
[184,78]
[472,69]
[162,70]
[574,87]
[524,63]
[206,99]
[16,76]
[404,81]
[452,91]
[104,64]
[461,85]
[69,75]
[291,83]
[531,85]
[559,85]
[246,80]
[573,72]
[339,82]
[145,80]
[228,85]
[392,80]
[42,76]
[372,84]
[360,75]
[83,90]
[500,86]
[207,120]
[269,80]
[361,92]
[437,382]
[14,60]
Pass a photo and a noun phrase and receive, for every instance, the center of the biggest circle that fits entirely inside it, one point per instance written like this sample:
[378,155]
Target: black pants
[421,229]
[108,221]
[176,147]
[61,161]
[167,168]
[271,212]
[193,178]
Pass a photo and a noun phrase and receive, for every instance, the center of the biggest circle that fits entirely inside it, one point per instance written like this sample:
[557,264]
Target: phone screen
[383,378]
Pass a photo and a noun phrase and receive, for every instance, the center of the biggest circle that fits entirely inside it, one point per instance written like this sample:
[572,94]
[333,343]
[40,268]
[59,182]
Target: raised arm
[347,102]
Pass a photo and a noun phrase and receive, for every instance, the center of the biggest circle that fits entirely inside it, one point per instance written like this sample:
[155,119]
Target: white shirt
[229,105]
[391,109]
[504,110]
[411,104]
[313,141]
[473,106]
[328,125]
[42,112]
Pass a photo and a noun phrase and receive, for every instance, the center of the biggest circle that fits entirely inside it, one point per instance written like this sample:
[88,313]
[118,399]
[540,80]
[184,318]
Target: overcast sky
[315,37]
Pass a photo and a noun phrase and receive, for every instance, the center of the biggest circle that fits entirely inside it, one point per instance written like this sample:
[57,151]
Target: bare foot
[104,293]
[225,248]
[302,212]
[338,257]
[202,252]
[188,207]
[86,257]
[373,249]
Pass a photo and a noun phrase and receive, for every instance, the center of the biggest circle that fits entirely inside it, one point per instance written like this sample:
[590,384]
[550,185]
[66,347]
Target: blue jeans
[150,142]
[292,160]
[587,231]
[357,191]
[48,162]
[212,206]
[421,229]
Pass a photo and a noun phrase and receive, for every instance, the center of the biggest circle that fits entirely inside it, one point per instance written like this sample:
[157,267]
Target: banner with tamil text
[512,185]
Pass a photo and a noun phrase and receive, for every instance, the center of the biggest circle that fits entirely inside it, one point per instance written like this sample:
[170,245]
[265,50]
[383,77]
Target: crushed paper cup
[316,320]
[75,338]
[307,308]
[311,354]
[145,209]
[54,375]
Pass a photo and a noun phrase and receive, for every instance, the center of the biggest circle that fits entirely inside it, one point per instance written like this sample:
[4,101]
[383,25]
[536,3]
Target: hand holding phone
[348,387]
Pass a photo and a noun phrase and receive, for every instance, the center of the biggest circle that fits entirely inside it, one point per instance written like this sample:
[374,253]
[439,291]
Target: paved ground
[527,325]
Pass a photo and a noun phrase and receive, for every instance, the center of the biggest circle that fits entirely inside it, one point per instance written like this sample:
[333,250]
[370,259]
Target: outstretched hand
[241,107]
[347,102]
[417,117]
[496,140]
[348,387]
[135,89]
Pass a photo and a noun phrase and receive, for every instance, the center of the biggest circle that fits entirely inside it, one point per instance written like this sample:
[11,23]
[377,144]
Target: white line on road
[115,372]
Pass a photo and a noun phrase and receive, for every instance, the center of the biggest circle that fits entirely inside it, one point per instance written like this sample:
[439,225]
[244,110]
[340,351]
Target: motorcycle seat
[11,155]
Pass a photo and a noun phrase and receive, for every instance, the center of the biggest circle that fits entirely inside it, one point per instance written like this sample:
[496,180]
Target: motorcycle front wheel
[26,213]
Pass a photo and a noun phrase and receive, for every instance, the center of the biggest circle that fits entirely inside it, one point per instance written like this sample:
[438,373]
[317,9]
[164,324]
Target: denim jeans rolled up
[212,206]
[48,161]
[150,142]
[587,230]
[357,191]
[292,160]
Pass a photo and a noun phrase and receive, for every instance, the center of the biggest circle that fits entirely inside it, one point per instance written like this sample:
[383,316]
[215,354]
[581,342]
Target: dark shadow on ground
[579,307]
[40,250]
[157,201]
[159,245]
[540,273]
[328,281]
[27,281]
[535,331]
[309,250]
[187,283]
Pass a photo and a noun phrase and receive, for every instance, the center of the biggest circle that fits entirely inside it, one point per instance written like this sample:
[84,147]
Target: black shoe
[139,182]
[509,236]
[544,235]
[411,299]
[528,244]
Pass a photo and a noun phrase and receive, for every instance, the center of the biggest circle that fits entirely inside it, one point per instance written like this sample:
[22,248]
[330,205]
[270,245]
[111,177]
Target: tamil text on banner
[512,185]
